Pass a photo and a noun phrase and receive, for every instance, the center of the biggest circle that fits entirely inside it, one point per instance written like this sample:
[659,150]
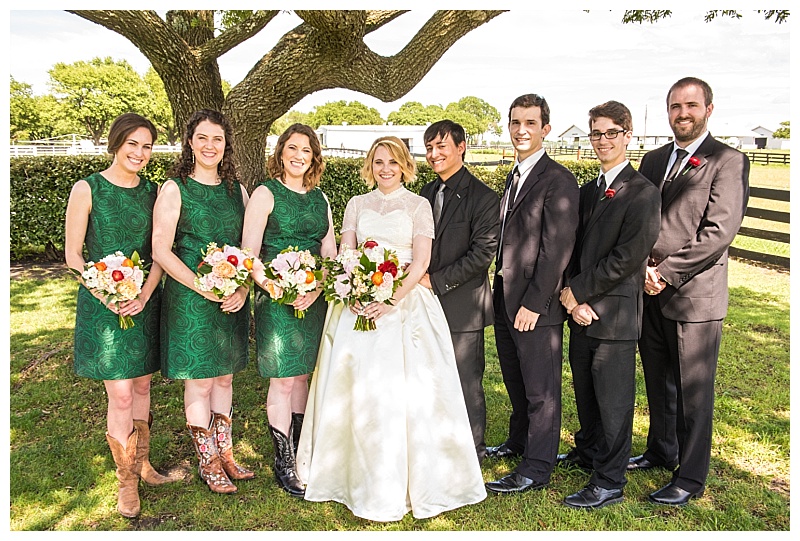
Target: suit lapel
[689,172]
[531,179]
[617,186]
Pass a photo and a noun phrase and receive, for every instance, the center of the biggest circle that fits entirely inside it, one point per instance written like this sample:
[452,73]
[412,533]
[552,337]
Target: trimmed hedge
[40,187]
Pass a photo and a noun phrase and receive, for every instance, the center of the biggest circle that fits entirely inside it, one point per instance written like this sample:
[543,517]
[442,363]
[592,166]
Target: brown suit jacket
[699,220]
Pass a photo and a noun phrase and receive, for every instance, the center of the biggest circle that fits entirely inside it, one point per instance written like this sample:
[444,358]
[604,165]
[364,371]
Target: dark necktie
[438,204]
[680,154]
[510,197]
[600,193]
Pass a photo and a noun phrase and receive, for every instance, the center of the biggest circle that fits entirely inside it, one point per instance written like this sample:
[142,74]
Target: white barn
[361,137]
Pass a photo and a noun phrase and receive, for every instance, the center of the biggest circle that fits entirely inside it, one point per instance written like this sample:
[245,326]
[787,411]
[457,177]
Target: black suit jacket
[699,220]
[538,240]
[608,264]
[465,244]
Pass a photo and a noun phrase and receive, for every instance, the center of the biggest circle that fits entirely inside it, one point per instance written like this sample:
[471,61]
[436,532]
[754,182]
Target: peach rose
[224,269]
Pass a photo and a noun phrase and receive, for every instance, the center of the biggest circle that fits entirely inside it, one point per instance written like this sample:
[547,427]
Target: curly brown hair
[314,172]
[226,169]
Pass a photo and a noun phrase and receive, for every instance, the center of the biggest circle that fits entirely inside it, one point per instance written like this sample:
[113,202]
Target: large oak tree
[183,48]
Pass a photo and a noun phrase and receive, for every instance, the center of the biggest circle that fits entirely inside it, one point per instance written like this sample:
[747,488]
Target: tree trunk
[326,51]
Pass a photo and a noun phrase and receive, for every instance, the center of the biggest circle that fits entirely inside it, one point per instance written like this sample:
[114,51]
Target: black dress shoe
[672,494]
[641,463]
[573,460]
[594,497]
[501,451]
[513,482]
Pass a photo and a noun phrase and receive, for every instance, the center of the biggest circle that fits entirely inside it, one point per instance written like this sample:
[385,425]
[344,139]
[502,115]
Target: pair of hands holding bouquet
[362,278]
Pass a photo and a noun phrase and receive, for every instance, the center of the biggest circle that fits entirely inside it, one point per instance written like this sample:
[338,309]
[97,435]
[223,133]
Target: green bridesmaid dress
[285,345]
[121,219]
[198,339]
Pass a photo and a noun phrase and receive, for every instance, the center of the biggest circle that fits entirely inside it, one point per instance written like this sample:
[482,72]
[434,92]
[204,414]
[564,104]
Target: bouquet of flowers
[224,269]
[118,277]
[366,274]
[292,273]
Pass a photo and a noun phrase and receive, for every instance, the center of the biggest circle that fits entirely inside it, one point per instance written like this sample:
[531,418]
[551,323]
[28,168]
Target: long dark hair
[226,169]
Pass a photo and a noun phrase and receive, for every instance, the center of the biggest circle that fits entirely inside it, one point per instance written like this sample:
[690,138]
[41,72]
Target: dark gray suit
[607,272]
[465,244]
[682,326]
[537,243]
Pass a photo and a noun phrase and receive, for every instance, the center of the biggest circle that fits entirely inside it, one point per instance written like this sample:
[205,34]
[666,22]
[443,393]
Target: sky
[573,58]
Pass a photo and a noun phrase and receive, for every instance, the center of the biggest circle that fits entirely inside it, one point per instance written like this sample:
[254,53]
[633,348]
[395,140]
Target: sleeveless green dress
[285,345]
[198,339]
[121,219]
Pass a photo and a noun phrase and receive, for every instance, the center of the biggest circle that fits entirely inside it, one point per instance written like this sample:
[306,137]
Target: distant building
[361,137]
[573,137]
[758,138]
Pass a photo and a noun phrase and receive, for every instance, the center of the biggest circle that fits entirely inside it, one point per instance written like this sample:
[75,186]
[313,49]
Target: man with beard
[705,189]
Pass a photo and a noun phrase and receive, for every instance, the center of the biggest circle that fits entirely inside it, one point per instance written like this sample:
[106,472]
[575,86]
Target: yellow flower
[127,289]
[224,269]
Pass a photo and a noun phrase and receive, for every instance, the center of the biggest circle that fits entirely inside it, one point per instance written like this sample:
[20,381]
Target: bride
[386,429]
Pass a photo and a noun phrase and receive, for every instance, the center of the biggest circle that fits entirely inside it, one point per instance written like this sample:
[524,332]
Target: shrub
[40,187]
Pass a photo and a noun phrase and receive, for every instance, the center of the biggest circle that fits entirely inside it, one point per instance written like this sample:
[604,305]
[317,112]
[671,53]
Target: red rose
[694,161]
[117,275]
[233,260]
[388,266]
[370,244]
[611,193]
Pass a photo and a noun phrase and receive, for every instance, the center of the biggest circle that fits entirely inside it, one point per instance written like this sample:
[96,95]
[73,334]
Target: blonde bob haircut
[398,151]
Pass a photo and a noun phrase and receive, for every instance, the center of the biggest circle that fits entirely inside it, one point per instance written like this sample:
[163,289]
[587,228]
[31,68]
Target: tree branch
[377,18]
[235,35]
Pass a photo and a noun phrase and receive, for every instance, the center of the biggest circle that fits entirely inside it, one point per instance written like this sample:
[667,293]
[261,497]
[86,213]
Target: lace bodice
[393,220]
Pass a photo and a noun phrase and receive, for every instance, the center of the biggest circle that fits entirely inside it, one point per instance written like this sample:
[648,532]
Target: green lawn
[61,472]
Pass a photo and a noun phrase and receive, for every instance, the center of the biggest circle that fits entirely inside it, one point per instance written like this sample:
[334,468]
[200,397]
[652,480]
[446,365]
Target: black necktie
[680,154]
[601,192]
[438,204]
[510,197]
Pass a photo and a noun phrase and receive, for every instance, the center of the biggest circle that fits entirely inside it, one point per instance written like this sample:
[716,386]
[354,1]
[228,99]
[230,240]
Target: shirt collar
[612,173]
[528,163]
[692,148]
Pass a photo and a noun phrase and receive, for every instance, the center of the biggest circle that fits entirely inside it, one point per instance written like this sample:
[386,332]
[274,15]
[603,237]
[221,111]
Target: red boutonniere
[609,194]
[694,161]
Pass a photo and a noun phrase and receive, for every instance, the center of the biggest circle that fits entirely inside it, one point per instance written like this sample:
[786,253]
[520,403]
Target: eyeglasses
[610,134]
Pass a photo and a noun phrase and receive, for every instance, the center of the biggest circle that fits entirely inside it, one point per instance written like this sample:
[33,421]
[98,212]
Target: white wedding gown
[386,429]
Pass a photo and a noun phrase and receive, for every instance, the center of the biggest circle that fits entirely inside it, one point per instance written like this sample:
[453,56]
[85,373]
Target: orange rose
[310,277]
[127,263]
[377,278]
[100,266]
[248,264]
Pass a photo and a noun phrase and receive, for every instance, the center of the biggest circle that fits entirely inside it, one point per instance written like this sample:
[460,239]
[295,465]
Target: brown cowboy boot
[127,474]
[149,474]
[210,467]
[222,431]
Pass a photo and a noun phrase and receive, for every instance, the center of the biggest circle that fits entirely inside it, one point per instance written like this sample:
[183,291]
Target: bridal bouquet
[224,269]
[118,277]
[293,272]
[366,274]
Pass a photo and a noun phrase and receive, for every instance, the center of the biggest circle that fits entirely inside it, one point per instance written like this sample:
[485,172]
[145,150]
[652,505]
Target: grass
[61,472]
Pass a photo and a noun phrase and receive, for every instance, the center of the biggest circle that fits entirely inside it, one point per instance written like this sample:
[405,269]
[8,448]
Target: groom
[466,215]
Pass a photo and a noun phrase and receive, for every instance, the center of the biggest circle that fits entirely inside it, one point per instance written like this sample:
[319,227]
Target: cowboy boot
[149,474]
[210,467]
[297,426]
[285,469]
[127,474]
[222,432]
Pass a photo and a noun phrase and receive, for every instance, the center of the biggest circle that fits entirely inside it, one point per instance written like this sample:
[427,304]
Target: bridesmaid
[112,211]
[289,210]
[204,339]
